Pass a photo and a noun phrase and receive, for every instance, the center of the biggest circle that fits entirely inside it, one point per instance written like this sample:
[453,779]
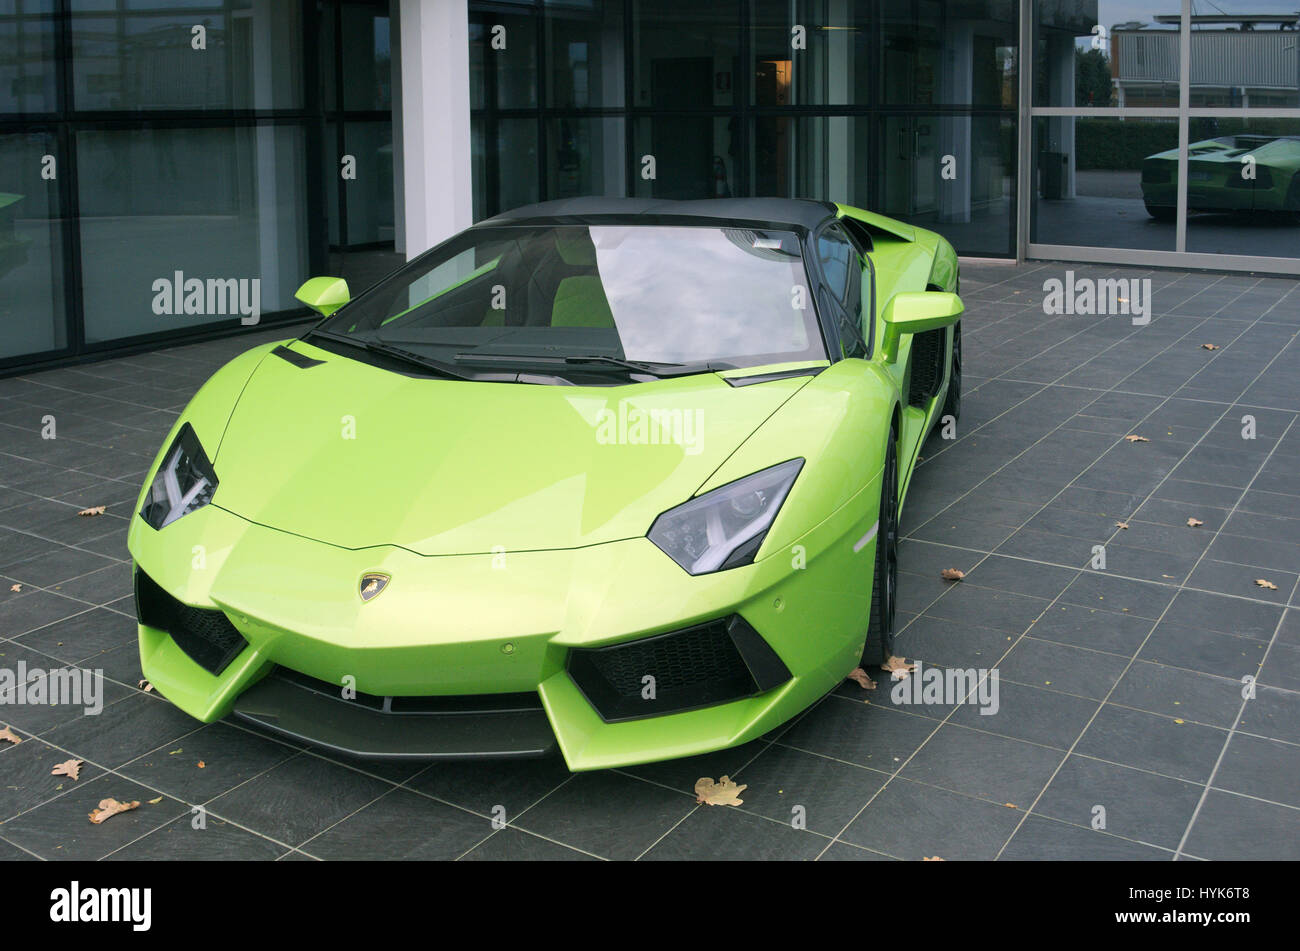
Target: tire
[1161,212]
[884,580]
[952,403]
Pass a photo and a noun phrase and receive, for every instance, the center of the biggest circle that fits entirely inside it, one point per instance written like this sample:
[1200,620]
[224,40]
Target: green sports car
[617,476]
[1237,173]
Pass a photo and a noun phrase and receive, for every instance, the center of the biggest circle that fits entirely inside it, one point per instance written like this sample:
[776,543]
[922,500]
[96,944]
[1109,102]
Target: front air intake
[699,666]
[206,636]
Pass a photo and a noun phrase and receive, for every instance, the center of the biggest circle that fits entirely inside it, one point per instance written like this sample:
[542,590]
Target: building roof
[799,212]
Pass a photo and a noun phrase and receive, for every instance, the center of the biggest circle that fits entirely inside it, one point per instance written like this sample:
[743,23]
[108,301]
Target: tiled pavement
[1119,688]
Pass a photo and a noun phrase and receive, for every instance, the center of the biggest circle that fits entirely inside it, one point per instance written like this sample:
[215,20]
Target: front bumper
[476,628]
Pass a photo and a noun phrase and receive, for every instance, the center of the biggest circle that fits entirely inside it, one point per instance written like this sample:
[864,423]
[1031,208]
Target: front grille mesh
[686,660]
[694,667]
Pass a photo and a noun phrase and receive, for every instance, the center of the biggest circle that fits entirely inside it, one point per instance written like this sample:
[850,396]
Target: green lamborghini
[620,477]
[1237,173]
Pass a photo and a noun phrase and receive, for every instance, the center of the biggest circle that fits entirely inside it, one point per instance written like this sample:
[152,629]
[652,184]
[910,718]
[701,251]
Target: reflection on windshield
[652,293]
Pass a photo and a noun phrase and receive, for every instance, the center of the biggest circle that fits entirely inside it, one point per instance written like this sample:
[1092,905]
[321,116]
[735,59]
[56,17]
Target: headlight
[724,528]
[185,481]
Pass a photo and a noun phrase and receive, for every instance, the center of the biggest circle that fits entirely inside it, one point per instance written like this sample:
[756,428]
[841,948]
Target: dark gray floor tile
[913,821]
[723,833]
[1265,769]
[1179,693]
[480,787]
[827,793]
[866,734]
[230,756]
[607,814]
[1033,714]
[1042,839]
[982,764]
[61,829]
[298,799]
[511,845]
[123,730]
[1133,803]
[216,841]
[402,826]
[1232,827]
[1184,750]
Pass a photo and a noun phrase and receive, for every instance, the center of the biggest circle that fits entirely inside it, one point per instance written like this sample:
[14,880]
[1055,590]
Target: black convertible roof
[798,212]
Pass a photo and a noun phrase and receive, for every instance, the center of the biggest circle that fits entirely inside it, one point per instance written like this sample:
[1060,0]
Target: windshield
[706,297]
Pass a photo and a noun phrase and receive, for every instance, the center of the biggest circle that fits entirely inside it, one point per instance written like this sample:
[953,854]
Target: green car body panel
[509,534]
[1235,173]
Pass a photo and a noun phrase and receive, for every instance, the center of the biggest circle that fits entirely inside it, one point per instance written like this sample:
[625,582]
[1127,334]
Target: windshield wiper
[397,353]
[603,359]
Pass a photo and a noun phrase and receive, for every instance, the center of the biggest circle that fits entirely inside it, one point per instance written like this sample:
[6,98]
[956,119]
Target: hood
[358,456]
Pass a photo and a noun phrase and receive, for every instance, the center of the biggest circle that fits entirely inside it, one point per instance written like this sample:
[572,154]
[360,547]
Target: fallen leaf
[9,735]
[1209,346]
[934,858]
[1266,584]
[15,588]
[722,793]
[1194,522]
[1011,805]
[897,668]
[952,574]
[859,676]
[174,752]
[111,807]
[154,802]
[93,510]
[145,686]
[1134,438]
[202,765]
[1123,525]
[70,768]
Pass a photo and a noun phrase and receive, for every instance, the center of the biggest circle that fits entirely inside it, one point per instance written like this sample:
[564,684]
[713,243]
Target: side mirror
[324,294]
[912,312]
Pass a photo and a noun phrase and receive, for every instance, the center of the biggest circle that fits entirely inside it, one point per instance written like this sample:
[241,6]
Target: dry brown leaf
[1266,584]
[111,807]
[70,768]
[145,686]
[9,736]
[932,858]
[1194,522]
[722,793]
[1123,525]
[1135,438]
[93,510]
[15,588]
[952,574]
[1209,346]
[859,676]
[898,668]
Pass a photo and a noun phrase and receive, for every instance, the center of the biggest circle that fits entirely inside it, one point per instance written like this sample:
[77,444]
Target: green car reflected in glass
[1236,173]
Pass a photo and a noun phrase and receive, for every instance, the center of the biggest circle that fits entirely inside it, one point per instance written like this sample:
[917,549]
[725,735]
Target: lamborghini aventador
[620,477]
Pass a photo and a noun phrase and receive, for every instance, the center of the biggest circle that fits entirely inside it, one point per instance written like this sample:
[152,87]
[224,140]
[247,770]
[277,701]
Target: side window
[836,255]
[843,270]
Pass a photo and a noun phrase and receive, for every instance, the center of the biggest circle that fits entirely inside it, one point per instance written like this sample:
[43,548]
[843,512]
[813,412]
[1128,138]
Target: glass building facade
[147,141]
